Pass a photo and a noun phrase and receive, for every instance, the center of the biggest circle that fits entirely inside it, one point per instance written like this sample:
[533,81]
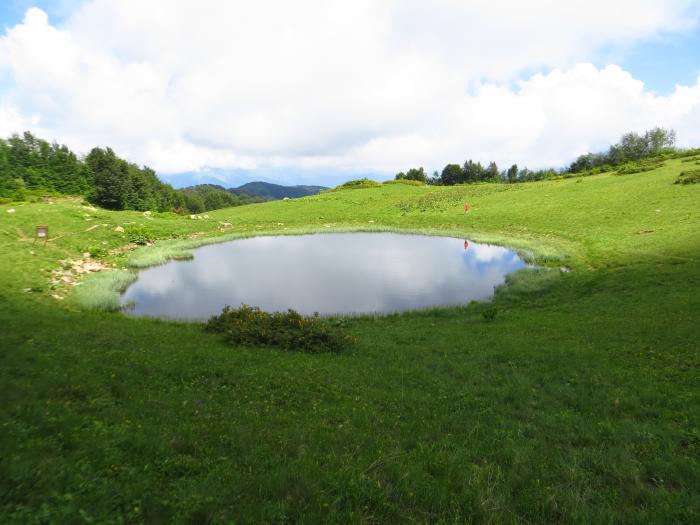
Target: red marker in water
[466,245]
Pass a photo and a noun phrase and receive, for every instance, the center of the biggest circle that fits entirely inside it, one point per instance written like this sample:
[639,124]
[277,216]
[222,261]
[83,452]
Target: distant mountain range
[261,190]
[271,191]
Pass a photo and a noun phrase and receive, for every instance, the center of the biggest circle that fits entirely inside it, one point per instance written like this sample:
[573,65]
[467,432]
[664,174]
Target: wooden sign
[42,232]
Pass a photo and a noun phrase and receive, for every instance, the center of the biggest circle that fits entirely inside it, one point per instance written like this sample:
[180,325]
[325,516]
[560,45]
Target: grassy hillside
[579,403]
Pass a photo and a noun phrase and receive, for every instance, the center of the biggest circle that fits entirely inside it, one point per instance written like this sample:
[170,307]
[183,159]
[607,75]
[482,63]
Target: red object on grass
[467,208]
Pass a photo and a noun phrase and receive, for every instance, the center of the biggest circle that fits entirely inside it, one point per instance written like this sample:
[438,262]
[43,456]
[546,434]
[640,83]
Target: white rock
[11,210]
[119,229]
[57,297]
[92,267]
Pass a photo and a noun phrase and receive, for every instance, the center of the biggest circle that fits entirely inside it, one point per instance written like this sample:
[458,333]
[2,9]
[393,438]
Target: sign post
[42,232]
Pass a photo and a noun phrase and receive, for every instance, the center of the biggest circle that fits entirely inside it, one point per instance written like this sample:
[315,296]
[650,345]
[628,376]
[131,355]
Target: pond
[337,273]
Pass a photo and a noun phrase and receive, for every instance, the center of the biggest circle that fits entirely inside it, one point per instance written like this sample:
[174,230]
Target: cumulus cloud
[378,86]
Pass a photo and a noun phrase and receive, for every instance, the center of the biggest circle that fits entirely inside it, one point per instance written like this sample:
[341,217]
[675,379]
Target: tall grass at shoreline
[100,291]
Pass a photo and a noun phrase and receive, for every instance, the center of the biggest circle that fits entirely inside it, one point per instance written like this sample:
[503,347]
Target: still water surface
[326,273]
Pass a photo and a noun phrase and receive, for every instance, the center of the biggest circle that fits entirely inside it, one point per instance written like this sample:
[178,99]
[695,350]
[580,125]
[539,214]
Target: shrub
[405,181]
[686,153]
[358,185]
[689,177]
[290,331]
[489,314]
[96,251]
[139,234]
[639,167]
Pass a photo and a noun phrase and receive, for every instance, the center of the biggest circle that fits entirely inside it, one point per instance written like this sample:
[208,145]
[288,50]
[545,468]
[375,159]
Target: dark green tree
[451,174]
[110,176]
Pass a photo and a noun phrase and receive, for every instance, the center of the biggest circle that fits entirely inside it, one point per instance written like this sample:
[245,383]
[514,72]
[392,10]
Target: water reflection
[328,273]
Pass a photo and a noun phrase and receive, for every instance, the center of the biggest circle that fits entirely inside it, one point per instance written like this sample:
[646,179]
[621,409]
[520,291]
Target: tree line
[631,148]
[32,165]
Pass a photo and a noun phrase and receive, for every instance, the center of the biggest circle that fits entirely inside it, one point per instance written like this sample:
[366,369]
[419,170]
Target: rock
[371,222]
[92,267]
[119,229]
[205,216]
[11,210]
[147,213]
[86,255]
[57,297]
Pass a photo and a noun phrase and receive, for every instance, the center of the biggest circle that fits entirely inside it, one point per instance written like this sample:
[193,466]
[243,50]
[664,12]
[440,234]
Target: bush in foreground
[290,331]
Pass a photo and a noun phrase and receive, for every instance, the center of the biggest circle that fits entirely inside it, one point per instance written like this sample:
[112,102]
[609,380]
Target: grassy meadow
[578,403]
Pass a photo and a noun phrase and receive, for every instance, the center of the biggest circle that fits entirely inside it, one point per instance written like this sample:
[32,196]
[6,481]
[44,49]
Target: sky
[319,92]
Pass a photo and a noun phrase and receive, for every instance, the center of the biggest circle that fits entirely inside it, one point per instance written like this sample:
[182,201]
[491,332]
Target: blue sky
[12,11]
[663,62]
[313,93]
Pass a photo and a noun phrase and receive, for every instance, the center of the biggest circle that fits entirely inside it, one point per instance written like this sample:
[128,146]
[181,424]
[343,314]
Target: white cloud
[359,85]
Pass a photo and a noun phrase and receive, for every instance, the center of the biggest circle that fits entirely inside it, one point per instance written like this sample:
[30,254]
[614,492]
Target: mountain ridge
[272,191]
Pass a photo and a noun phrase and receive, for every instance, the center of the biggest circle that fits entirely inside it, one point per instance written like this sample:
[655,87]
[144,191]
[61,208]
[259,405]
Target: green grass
[577,401]
[99,291]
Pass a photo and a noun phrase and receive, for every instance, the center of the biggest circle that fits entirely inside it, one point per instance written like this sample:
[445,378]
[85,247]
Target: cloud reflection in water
[325,273]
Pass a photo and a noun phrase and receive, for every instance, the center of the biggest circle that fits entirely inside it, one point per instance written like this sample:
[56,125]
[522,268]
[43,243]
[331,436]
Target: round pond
[325,273]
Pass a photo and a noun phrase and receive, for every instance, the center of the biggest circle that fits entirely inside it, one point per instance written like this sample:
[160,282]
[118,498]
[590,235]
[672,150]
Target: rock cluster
[71,270]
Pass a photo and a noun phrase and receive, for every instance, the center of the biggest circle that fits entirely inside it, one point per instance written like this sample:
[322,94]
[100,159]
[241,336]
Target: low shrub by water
[139,234]
[290,331]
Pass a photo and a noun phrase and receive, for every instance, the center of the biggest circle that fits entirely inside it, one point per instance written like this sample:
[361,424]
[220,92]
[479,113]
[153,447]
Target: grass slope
[579,403]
